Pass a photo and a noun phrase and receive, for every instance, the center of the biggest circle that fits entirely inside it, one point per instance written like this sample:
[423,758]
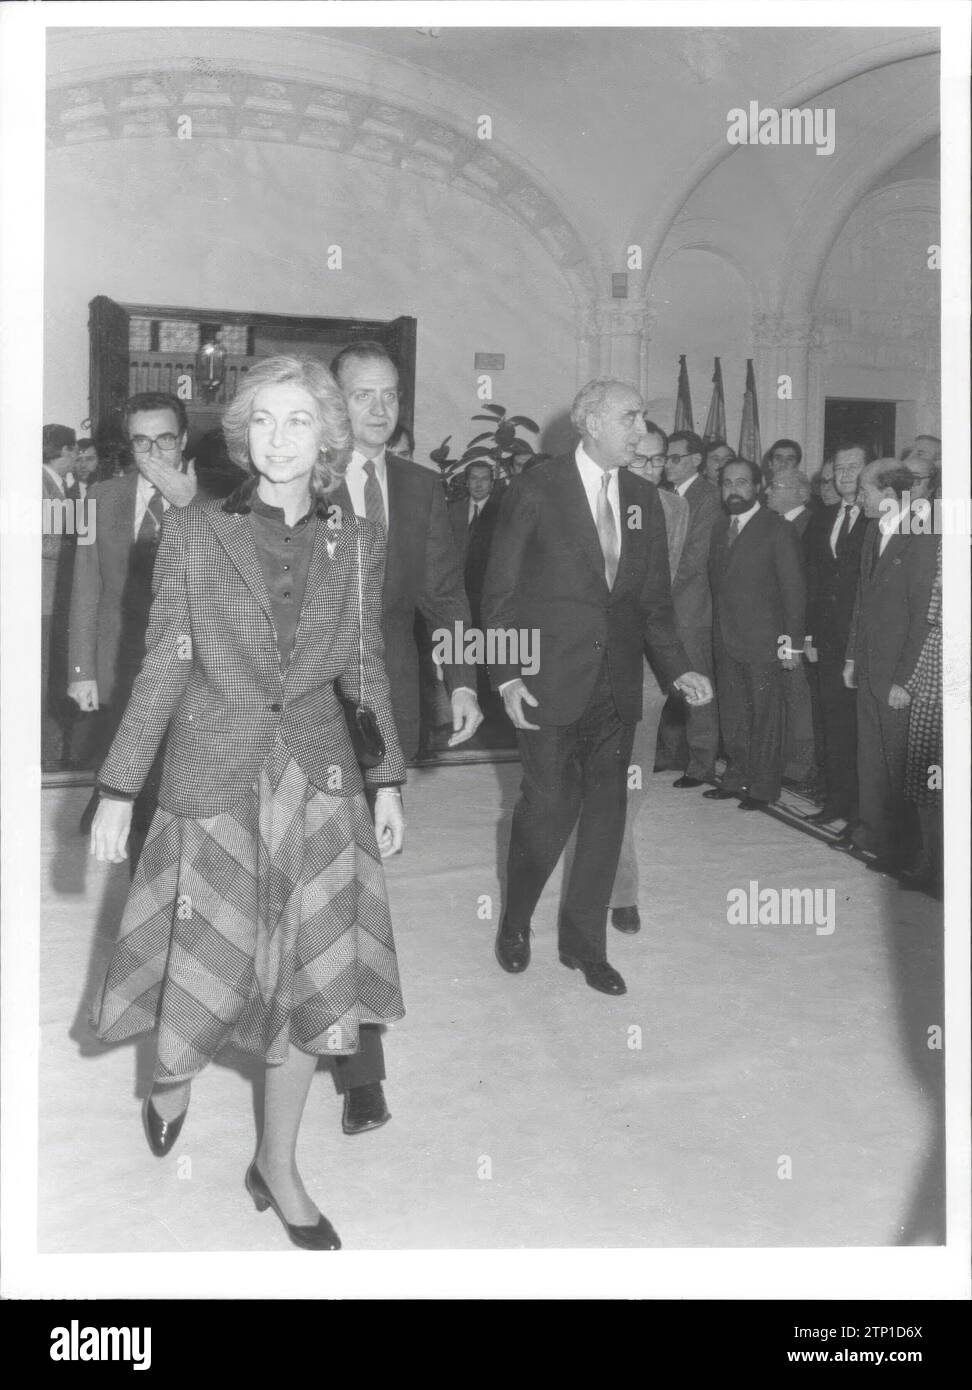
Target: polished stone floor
[758,1085]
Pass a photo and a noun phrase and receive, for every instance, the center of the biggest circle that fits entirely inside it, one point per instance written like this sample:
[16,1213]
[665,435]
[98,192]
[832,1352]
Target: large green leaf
[487,434]
[525,421]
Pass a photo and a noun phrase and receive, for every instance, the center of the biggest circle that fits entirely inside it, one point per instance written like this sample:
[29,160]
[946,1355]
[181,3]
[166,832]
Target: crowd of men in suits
[783,622]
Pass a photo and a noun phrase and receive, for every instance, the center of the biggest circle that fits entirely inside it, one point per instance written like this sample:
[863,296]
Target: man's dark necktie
[373,500]
[475,515]
[607,533]
[733,530]
[843,533]
[148,532]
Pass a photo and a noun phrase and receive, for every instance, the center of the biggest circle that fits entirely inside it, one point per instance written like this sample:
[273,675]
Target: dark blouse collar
[240,500]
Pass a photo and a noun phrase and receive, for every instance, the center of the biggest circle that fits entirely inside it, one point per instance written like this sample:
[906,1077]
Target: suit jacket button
[275,709]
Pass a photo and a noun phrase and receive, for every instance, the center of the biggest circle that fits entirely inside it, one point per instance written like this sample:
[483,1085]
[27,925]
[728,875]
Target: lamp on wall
[210,361]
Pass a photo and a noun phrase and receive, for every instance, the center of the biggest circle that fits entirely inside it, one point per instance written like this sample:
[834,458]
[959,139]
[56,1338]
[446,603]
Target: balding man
[887,633]
[579,564]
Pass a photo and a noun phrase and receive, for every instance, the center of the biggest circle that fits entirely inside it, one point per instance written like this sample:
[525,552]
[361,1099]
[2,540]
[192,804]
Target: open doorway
[872,422]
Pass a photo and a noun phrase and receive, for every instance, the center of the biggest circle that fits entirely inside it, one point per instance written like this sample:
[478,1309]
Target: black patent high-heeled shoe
[323,1236]
[161,1134]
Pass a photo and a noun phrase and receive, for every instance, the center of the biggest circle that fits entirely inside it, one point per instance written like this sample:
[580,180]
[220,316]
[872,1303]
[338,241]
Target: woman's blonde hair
[332,414]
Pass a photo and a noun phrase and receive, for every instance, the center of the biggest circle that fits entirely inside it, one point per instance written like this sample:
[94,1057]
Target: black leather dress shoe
[720,794]
[686,781]
[323,1236]
[364,1108]
[513,948]
[626,919]
[750,803]
[161,1134]
[598,974]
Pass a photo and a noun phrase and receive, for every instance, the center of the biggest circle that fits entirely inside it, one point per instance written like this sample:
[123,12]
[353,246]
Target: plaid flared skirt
[260,928]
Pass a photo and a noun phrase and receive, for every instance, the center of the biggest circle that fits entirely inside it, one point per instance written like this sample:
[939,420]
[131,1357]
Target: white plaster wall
[245,226]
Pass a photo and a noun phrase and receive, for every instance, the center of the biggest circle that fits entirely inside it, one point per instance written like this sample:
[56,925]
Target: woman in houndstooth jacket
[257,916]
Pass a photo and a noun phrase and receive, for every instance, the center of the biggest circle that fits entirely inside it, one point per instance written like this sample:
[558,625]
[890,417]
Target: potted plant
[500,446]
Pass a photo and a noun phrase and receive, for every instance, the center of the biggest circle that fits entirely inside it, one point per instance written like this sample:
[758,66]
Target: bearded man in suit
[759,602]
[579,567]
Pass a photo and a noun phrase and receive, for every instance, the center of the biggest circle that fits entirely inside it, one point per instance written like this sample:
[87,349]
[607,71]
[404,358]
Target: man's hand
[515,696]
[176,487]
[898,697]
[850,679]
[109,831]
[696,689]
[84,694]
[466,715]
[389,822]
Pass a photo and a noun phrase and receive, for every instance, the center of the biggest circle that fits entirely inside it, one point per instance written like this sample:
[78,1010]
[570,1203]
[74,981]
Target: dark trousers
[837,735]
[364,1066]
[751,715]
[887,822]
[688,735]
[574,774]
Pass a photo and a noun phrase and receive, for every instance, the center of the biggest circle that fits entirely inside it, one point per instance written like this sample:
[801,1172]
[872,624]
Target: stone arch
[279,103]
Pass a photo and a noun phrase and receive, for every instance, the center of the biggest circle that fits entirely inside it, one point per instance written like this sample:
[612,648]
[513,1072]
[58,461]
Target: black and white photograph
[486,670]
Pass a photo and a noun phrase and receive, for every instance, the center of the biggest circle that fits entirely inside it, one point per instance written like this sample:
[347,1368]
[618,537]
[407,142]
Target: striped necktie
[373,500]
[148,532]
[733,529]
[607,533]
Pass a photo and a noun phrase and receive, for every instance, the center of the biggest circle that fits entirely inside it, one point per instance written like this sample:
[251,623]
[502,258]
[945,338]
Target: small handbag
[366,739]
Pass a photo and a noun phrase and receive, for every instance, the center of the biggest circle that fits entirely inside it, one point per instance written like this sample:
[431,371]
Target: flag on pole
[715,421]
[749,445]
[683,399]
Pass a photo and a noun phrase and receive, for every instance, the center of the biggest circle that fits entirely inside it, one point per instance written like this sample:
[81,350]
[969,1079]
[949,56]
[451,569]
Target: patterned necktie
[373,500]
[607,533]
[148,532]
[844,531]
[733,529]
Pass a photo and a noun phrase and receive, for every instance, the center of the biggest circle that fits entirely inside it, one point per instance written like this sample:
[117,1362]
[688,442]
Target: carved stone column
[782,350]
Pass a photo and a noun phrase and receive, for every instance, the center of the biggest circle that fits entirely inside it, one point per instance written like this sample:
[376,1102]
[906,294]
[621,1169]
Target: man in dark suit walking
[579,570]
[111,594]
[421,572]
[473,518]
[759,600]
[833,551]
[888,629]
[688,736]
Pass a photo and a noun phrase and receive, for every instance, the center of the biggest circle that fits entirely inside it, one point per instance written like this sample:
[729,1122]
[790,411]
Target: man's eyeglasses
[674,458]
[165,443]
[657,459]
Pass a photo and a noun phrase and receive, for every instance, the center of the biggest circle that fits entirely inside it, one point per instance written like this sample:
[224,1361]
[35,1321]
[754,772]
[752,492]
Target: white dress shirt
[56,479]
[685,484]
[355,480]
[743,517]
[853,512]
[890,525]
[143,496]
[591,476]
[794,512]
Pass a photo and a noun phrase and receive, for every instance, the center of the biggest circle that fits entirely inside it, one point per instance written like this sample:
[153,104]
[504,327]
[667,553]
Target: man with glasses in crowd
[688,735]
[112,590]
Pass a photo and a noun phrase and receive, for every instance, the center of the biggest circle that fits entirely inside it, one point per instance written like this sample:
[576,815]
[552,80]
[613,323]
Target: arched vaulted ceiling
[600,138]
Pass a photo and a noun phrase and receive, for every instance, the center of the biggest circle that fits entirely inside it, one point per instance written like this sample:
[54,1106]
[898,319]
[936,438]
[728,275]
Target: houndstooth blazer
[212,673]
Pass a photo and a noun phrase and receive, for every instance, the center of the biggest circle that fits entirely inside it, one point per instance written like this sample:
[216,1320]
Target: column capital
[776,330]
